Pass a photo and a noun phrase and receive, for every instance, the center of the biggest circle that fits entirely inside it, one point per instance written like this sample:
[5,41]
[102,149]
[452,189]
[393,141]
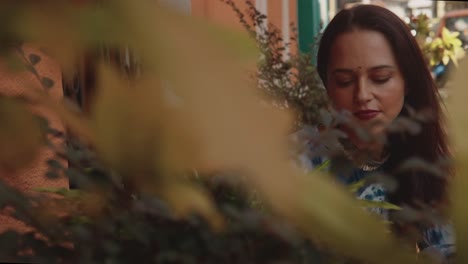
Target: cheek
[395,107]
[393,102]
[340,99]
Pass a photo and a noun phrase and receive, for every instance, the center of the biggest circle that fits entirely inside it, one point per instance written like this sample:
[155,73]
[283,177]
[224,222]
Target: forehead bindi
[375,69]
[361,50]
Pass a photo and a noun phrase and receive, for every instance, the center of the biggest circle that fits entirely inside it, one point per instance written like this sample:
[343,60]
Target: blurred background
[426,19]
[311,16]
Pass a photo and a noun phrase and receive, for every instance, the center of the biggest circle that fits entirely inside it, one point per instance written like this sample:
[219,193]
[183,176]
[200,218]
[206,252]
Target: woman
[373,69]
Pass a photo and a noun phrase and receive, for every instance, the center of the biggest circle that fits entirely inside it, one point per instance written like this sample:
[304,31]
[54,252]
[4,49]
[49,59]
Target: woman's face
[363,77]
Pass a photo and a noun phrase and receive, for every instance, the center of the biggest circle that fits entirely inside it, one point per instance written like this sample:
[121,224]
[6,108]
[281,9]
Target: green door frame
[308,16]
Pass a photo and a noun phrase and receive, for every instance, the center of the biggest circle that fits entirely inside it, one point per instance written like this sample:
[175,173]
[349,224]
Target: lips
[366,114]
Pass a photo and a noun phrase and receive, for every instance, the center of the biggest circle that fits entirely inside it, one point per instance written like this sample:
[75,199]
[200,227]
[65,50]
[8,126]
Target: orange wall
[293,19]
[274,13]
[219,12]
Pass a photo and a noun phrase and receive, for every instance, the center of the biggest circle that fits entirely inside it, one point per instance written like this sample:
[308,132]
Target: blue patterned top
[438,241]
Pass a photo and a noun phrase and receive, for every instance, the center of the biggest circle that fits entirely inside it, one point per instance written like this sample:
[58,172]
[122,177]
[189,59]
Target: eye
[381,80]
[344,83]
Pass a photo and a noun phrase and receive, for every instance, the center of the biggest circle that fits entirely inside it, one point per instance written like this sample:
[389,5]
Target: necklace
[372,164]
[360,159]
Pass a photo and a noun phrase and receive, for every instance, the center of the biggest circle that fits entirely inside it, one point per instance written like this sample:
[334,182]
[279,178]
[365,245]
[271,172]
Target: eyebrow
[379,67]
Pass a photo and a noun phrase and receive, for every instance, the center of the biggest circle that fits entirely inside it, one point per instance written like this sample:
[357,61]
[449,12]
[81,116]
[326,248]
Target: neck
[375,150]
[362,152]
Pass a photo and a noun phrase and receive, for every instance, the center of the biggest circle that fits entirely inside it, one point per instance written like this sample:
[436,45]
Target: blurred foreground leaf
[217,123]
[20,135]
[137,154]
[459,131]
[231,130]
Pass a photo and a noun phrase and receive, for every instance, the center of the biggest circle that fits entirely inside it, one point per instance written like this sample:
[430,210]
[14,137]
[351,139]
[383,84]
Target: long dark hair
[422,94]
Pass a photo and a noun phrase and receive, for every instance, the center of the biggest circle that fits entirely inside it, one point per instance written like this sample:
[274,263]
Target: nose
[363,93]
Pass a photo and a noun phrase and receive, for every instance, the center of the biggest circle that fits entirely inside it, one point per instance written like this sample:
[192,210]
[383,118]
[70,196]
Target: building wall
[280,13]
[218,12]
[22,83]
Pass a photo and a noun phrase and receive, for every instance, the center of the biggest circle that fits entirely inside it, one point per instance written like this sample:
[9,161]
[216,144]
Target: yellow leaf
[437,42]
[445,33]
[332,216]
[220,119]
[456,42]
[50,24]
[223,115]
[187,199]
[459,129]
[125,120]
[445,59]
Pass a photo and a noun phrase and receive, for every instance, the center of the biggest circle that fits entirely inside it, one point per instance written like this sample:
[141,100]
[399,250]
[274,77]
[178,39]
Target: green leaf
[355,186]
[47,82]
[378,204]
[325,165]
[34,59]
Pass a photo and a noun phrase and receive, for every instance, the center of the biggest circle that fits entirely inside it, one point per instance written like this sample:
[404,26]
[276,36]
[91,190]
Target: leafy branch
[289,80]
